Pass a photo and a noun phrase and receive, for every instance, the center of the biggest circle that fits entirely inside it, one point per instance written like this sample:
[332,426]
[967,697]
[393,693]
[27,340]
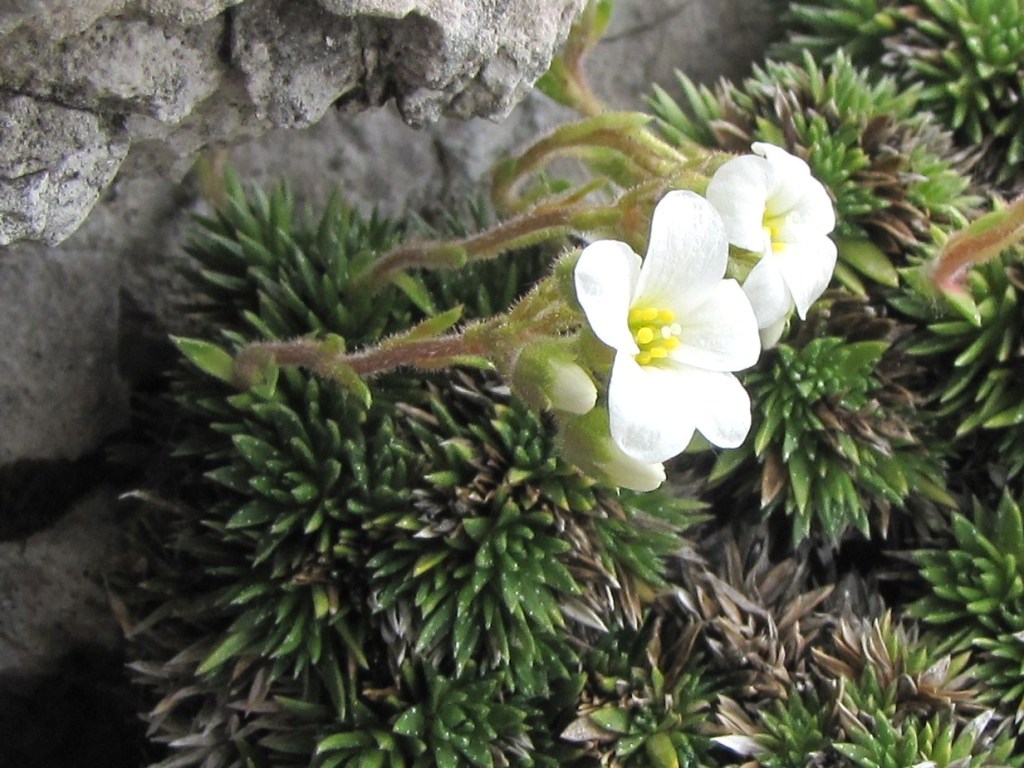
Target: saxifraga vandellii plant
[962,57]
[840,433]
[404,570]
[408,579]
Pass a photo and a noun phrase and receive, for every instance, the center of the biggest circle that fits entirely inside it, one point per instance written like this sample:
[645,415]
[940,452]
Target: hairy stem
[981,240]
[325,359]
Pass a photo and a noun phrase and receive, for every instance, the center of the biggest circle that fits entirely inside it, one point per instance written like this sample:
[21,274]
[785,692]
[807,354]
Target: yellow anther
[644,358]
[658,353]
[670,343]
[643,315]
[778,247]
[644,335]
[666,316]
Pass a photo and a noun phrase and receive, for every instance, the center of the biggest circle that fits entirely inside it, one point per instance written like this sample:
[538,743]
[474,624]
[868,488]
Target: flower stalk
[545,222]
[983,239]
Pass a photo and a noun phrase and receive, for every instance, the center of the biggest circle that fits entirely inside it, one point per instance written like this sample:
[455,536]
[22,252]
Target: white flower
[677,329]
[772,205]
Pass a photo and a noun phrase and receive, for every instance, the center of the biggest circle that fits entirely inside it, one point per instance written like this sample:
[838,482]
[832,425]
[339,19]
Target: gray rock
[187,12]
[57,18]
[51,590]
[117,66]
[297,59]
[54,162]
[60,393]
[179,75]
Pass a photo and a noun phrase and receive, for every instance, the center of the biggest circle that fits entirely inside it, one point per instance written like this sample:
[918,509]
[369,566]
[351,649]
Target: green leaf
[225,651]
[208,357]
[612,719]
[868,259]
[411,723]
[661,751]
[348,740]
[429,328]
[414,289]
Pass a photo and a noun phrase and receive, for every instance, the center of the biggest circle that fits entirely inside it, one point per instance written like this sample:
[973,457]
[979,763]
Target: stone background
[105,104]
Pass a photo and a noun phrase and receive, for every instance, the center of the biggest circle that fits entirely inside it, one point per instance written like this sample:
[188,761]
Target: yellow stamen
[644,335]
[655,331]
[642,315]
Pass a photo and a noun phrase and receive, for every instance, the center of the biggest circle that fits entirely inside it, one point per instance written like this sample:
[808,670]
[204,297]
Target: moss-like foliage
[976,596]
[839,438]
[962,57]
[646,699]
[982,397]
[879,697]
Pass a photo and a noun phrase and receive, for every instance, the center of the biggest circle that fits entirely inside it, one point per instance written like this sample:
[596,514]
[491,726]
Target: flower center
[655,331]
[773,231]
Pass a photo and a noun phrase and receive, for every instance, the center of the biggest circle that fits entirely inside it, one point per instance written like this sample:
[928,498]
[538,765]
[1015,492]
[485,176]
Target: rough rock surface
[51,589]
[188,73]
[60,392]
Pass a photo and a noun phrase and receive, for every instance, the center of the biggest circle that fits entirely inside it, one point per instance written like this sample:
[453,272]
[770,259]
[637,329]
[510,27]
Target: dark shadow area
[35,493]
[80,714]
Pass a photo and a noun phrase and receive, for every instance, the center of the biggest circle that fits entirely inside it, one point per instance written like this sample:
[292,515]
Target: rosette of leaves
[982,396]
[976,597]
[936,741]
[258,575]
[504,542]
[838,433]
[792,732]
[965,56]
[885,671]
[758,618]
[892,172]
[646,698]
[429,720]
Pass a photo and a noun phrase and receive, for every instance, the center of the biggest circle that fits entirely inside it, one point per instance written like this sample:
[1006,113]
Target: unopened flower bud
[547,376]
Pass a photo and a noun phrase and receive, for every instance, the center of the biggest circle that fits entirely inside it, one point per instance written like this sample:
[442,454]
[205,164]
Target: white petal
[816,207]
[626,472]
[806,267]
[770,335]
[687,252]
[719,404]
[766,289]
[720,334]
[789,177]
[605,277]
[739,192]
[648,419]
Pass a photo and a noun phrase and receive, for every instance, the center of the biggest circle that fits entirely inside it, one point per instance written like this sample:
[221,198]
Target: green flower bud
[547,376]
